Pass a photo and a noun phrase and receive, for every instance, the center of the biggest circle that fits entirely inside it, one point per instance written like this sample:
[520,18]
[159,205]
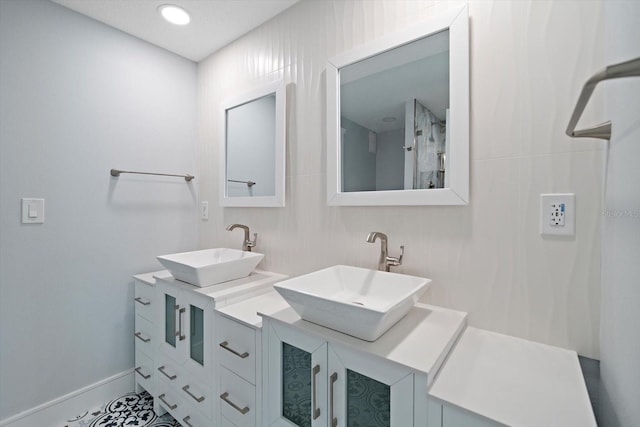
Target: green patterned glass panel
[296,385]
[170,320]
[196,338]
[368,402]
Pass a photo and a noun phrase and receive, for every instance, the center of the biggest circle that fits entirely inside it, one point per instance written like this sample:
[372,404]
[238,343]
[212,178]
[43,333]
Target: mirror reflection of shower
[426,135]
[407,152]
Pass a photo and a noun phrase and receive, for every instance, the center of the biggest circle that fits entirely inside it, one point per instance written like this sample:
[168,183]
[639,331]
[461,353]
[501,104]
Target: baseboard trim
[61,409]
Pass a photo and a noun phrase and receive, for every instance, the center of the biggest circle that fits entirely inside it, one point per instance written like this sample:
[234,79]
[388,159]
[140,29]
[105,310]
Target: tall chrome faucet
[247,244]
[385,260]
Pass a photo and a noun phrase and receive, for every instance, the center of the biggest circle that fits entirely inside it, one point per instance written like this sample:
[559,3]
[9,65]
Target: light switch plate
[558,214]
[32,211]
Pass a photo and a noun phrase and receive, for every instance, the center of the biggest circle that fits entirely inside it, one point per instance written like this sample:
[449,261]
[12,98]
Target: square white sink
[356,301]
[209,267]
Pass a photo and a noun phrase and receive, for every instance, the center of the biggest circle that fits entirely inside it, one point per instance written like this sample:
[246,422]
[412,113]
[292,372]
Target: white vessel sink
[356,301]
[210,266]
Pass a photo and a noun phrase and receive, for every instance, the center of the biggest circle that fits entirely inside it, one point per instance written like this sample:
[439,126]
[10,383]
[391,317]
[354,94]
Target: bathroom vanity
[175,358]
[237,355]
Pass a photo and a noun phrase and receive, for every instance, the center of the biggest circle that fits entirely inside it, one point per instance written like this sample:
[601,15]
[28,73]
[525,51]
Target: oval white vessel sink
[356,301]
[209,267]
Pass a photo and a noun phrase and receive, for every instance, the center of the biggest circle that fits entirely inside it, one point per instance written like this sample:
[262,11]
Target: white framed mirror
[398,117]
[252,157]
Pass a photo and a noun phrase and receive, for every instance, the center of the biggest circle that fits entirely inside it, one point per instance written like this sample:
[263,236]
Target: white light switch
[32,211]
[558,214]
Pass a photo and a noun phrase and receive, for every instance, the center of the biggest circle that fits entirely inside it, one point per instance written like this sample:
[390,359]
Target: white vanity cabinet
[318,377]
[175,341]
[238,356]
[144,333]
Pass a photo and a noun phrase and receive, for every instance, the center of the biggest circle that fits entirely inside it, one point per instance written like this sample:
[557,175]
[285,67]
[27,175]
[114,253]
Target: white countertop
[246,311]
[150,278]
[419,341]
[257,282]
[515,382]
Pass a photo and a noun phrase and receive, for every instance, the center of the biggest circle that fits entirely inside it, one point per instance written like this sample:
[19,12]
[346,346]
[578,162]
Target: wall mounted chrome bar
[249,183]
[603,131]
[116,173]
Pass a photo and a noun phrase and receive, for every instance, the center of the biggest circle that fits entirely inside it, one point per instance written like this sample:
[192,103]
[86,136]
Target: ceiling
[214,23]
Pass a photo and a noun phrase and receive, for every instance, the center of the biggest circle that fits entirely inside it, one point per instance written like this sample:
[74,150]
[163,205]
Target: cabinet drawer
[196,394]
[236,347]
[168,371]
[237,399]
[143,300]
[144,335]
[169,399]
[144,371]
[191,418]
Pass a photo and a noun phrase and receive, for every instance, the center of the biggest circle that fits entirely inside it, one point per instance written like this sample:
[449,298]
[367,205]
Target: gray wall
[76,99]
[619,336]
[390,160]
[360,175]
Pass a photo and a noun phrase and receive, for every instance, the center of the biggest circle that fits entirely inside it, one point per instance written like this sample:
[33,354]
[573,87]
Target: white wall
[76,99]
[620,340]
[486,258]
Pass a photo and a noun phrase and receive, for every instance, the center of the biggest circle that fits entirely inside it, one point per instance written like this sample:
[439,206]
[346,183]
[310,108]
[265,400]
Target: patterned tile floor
[130,410]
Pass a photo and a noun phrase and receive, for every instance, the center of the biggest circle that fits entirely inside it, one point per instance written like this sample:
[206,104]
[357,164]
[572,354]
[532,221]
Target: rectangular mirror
[398,118]
[253,148]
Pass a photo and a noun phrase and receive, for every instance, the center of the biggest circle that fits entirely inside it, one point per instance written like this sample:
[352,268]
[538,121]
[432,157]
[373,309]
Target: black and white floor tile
[130,410]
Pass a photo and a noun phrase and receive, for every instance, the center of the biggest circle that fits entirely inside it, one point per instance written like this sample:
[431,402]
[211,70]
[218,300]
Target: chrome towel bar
[603,131]
[249,183]
[116,173]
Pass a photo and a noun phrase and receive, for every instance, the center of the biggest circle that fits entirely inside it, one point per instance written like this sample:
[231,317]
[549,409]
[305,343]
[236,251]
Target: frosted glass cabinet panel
[296,385]
[196,334]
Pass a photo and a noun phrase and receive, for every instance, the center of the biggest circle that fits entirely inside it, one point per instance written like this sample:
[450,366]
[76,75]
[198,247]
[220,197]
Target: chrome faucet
[247,244]
[385,260]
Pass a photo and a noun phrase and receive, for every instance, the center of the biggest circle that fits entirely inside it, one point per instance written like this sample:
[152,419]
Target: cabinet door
[171,328]
[198,329]
[367,391]
[297,365]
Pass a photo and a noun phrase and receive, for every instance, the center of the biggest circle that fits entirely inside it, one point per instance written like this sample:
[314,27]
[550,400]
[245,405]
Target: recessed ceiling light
[389,119]
[174,14]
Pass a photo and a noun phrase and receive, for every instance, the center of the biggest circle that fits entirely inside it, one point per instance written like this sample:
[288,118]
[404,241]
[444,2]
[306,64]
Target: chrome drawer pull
[332,379]
[139,336]
[171,377]
[224,397]
[186,420]
[197,399]
[172,407]
[141,301]
[316,410]
[225,345]
[146,377]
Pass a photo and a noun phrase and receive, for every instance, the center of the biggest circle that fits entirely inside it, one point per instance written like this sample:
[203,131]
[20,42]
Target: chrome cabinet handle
[186,420]
[197,399]
[332,380]
[316,410]
[172,407]
[171,377]
[141,338]
[146,377]
[225,345]
[141,301]
[180,313]
[224,396]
